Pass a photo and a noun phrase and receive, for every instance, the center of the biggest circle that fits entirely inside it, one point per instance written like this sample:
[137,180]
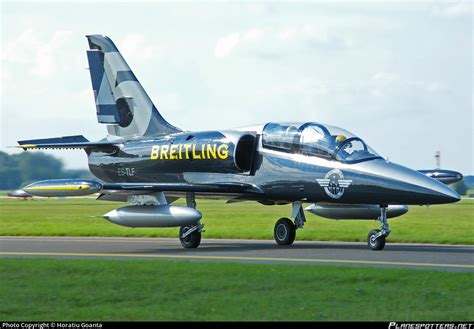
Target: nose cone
[408,186]
[445,193]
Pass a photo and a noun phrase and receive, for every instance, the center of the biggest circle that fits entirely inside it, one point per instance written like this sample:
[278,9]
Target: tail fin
[121,101]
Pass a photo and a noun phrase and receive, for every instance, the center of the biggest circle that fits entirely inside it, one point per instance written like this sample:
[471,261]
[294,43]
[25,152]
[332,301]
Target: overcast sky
[397,74]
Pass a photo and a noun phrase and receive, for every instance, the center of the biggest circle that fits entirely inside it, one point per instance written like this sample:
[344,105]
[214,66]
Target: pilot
[340,139]
[342,153]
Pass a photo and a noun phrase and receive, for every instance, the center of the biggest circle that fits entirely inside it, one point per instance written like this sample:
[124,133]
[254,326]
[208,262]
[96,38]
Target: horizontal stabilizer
[56,140]
[67,142]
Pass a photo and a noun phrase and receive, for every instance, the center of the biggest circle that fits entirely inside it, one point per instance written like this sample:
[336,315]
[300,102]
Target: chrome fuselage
[283,177]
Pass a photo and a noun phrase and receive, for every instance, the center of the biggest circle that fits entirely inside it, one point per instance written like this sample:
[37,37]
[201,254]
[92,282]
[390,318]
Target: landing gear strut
[285,230]
[376,238]
[190,235]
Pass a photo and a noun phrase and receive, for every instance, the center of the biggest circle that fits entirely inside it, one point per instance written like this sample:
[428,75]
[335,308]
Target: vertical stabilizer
[121,101]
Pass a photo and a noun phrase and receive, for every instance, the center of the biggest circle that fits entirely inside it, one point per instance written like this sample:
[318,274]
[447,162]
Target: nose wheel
[376,238]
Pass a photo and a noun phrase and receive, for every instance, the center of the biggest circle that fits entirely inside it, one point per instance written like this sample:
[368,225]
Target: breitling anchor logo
[334,183]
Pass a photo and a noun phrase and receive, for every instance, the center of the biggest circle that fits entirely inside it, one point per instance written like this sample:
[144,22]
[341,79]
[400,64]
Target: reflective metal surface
[444,176]
[354,211]
[153,216]
[63,187]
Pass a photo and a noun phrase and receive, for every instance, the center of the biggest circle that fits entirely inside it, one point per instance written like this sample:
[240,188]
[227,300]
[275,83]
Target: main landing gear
[190,235]
[376,238]
[285,230]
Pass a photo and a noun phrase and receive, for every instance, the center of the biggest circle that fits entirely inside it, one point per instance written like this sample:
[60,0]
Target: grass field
[452,223]
[88,290]
[46,289]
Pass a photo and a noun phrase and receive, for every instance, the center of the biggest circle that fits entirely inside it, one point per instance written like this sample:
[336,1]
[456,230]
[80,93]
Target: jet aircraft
[149,163]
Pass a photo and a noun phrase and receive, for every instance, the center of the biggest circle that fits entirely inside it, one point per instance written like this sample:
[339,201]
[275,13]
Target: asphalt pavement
[422,256]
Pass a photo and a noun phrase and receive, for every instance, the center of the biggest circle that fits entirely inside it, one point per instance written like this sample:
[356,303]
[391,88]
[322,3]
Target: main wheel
[284,232]
[190,241]
[375,243]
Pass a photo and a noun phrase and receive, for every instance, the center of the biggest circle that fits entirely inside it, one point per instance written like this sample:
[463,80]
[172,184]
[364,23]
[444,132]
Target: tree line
[18,170]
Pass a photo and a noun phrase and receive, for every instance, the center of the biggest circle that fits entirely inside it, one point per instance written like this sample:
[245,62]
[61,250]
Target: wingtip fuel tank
[63,187]
[443,175]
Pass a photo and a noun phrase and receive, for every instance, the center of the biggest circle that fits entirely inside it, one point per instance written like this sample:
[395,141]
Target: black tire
[375,244]
[192,240]
[284,232]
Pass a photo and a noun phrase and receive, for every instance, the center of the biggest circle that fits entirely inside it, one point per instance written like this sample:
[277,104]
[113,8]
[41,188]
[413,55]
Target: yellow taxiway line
[239,258]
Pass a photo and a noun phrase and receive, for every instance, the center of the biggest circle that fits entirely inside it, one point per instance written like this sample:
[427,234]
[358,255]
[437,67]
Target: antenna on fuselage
[438,159]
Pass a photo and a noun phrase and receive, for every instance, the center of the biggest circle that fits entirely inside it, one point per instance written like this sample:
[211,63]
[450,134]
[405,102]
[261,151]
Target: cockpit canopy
[318,140]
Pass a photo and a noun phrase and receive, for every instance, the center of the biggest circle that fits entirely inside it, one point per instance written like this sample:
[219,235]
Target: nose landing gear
[376,238]
[285,229]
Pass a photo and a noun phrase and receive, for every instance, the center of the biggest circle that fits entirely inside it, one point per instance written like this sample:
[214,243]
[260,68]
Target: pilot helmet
[340,138]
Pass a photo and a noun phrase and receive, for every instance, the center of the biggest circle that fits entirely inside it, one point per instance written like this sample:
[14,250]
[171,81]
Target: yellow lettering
[154,152]
[195,156]
[211,150]
[173,150]
[223,151]
[186,149]
[164,152]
